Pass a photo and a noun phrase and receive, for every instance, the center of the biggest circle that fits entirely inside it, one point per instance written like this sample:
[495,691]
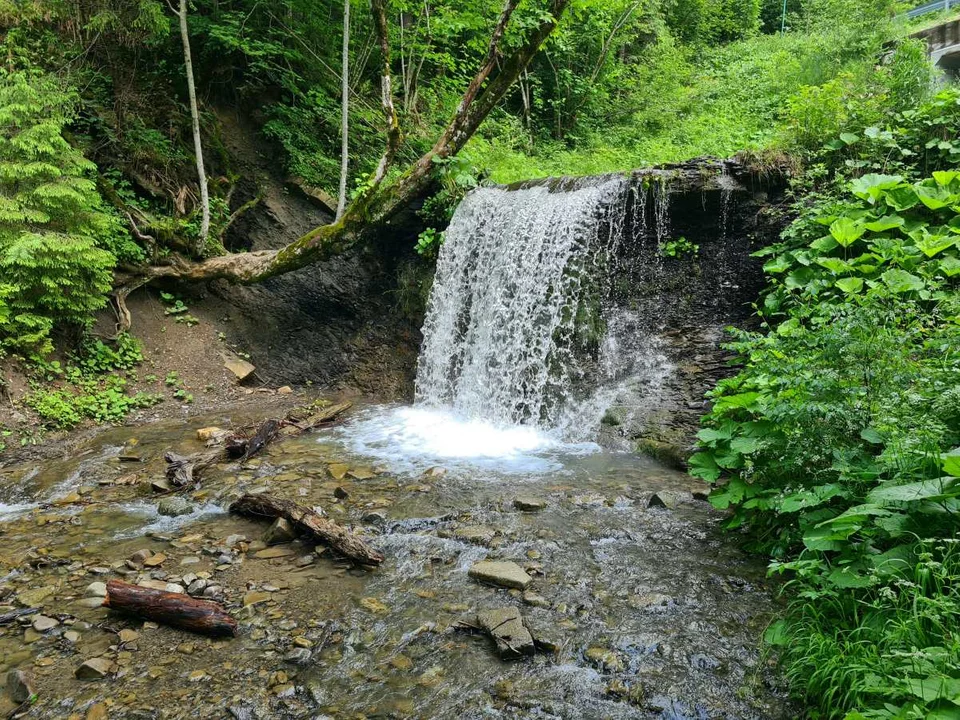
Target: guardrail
[935,6]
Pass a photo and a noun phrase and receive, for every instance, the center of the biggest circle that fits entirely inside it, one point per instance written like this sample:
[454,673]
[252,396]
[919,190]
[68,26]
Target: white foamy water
[146,512]
[413,439]
[12,510]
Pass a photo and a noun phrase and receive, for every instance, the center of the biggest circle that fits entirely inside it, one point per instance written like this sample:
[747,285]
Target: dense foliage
[836,446]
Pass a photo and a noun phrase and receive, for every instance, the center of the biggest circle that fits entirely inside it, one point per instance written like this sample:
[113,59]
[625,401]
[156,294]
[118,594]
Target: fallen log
[175,609]
[185,470]
[337,537]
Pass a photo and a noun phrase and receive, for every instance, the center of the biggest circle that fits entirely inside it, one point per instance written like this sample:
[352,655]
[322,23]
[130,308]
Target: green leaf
[850,285]
[932,244]
[934,197]
[935,688]
[703,465]
[846,231]
[776,634]
[951,462]
[745,445]
[847,577]
[834,265]
[887,222]
[901,198]
[872,436]
[872,186]
[849,138]
[900,281]
[950,266]
[912,492]
[945,177]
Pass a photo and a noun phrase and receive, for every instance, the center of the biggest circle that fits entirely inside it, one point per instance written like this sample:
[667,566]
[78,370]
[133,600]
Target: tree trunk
[195,116]
[344,111]
[175,609]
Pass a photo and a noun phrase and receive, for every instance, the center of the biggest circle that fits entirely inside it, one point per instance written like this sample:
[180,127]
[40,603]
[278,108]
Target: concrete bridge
[942,40]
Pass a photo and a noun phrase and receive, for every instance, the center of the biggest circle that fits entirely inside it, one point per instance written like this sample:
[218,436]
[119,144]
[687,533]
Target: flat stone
[240,368]
[34,598]
[20,686]
[338,471]
[651,601]
[477,534]
[97,711]
[274,552]
[155,560]
[42,623]
[128,636]
[500,572]
[377,607]
[94,669]
[527,503]
[505,626]
[361,474]
[140,556]
[284,390]
[532,598]
[281,531]
[254,598]
[71,636]
[160,484]
[96,589]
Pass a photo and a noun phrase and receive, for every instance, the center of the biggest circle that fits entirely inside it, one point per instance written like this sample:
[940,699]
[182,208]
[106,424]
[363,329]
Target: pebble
[532,598]
[71,636]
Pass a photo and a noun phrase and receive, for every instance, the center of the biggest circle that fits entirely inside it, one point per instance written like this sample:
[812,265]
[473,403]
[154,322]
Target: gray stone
[529,504]
[20,686]
[94,669]
[505,626]
[240,368]
[174,506]
[42,623]
[197,586]
[477,534]
[298,656]
[280,531]
[668,499]
[503,573]
[140,556]
[375,517]
[532,598]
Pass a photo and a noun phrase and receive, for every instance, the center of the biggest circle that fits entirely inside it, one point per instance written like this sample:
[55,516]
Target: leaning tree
[382,199]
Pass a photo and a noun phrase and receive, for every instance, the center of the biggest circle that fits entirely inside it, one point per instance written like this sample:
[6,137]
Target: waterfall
[510,296]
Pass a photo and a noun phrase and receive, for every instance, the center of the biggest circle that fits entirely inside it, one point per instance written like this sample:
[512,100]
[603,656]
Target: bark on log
[337,537]
[175,609]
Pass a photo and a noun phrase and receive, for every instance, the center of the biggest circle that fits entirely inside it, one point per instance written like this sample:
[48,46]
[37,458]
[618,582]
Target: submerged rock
[479,534]
[280,531]
[174,506]
[501,572]
[668,499]
[505,626]
[529,504]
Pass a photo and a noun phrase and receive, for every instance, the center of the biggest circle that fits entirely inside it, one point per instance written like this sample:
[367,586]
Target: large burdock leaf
[900,281]
[911,492]
[846,231]
[871,186]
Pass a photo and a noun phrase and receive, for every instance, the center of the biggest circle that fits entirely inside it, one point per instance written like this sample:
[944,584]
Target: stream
[653,613]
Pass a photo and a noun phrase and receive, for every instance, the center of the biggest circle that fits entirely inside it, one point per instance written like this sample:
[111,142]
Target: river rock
[477,534]
[96,589]
[155,560]
[604,658]
[500,572]
[338,471]
[140,556]
[505,626]
[529,504]
[174,506]
[280,531]
[208,433]
[532,598]
[94,669]
[668,499]
[42,623]
[34,598]
[20,686]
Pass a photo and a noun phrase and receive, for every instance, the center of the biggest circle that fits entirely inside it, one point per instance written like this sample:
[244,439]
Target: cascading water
[524,347]
[508,294]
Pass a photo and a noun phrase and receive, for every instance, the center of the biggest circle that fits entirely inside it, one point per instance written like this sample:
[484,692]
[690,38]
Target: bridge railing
[930,7]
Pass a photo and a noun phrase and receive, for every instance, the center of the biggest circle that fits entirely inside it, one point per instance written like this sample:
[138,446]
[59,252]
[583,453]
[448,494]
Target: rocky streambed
[576,583]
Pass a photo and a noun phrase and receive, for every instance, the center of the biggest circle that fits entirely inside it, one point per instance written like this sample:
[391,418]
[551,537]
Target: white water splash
[414,439]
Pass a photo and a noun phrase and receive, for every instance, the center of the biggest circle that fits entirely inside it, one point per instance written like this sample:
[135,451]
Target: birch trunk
[195,116]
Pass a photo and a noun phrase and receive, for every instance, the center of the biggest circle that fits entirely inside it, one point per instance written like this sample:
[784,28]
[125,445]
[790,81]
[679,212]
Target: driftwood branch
[175,609]
[184,471]
[337,537]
